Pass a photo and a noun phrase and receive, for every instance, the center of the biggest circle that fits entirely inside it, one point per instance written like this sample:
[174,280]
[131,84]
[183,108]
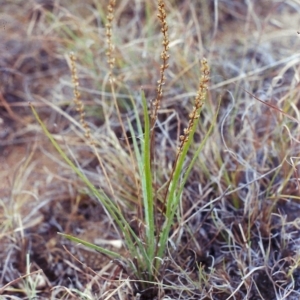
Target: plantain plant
[146,248]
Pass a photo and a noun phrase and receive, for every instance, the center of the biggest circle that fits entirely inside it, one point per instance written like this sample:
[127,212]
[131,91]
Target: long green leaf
[147,179]
[109,253]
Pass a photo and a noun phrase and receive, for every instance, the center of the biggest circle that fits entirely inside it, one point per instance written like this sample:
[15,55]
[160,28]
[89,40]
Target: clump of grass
[147,248]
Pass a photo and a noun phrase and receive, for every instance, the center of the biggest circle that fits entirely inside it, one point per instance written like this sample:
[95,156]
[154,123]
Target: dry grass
[236,233]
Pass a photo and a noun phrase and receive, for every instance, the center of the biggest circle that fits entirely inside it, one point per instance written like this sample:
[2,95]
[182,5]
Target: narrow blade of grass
[109,253]
[147,182]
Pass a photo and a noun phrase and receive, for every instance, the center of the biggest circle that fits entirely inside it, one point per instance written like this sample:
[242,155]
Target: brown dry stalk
[111,63]
[155,106]
[199,100]
[80,108]
[78,103]
[110,46]
[165,57]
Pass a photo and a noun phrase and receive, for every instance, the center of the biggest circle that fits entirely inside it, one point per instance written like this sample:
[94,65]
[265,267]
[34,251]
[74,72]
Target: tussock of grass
[226,228]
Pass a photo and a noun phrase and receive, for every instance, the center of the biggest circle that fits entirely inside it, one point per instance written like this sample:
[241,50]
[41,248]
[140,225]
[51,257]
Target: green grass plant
[147,249]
